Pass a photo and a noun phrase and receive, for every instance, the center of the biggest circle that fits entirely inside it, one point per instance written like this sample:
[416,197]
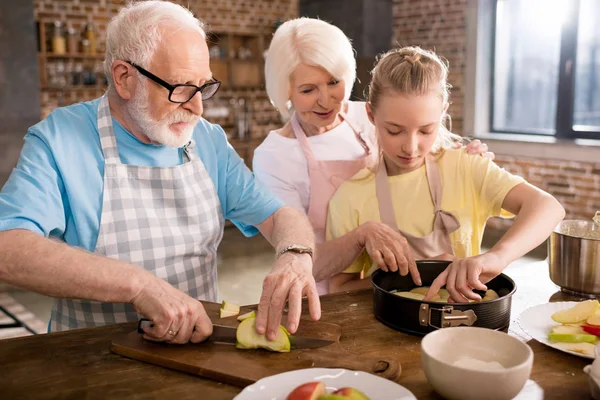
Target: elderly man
[117,205]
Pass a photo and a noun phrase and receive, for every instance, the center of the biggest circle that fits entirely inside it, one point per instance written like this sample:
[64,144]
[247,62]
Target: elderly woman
[310,70]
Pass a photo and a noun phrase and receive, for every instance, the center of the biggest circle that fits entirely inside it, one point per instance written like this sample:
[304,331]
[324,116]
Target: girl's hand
[476,147]
[466,274]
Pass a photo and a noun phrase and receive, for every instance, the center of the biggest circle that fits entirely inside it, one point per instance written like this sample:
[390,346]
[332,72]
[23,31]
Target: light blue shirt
[57,187]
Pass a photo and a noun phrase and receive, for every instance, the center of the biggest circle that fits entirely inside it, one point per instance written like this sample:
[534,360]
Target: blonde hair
[412,70]
[306,41]
[136,31]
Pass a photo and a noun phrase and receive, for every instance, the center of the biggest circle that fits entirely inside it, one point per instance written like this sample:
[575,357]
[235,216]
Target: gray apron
[444,223]
[167,220]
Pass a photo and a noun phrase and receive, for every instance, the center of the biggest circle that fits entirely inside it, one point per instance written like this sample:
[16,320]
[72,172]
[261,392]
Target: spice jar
[59,45]
[72,41]
[90,35]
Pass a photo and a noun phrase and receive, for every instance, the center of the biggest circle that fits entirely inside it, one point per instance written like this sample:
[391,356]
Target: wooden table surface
[79,365]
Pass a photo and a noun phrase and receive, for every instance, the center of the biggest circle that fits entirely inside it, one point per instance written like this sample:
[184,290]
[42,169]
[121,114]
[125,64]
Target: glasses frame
[171,88]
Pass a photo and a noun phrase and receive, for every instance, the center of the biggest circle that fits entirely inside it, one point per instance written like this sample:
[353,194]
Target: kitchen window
[545,68]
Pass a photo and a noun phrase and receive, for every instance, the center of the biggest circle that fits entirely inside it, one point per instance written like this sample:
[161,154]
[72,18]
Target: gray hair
[136,31]
[306,41]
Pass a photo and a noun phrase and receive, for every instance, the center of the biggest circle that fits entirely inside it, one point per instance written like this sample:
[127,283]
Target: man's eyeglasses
[182,93]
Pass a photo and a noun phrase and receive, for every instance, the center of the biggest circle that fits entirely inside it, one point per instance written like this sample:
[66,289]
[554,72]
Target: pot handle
[449,317]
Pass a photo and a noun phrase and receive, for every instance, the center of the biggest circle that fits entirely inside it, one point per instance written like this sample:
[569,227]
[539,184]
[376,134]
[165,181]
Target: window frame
[564,126]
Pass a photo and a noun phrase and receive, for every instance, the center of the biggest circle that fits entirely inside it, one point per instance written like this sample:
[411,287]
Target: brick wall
[440,25]
[232,16]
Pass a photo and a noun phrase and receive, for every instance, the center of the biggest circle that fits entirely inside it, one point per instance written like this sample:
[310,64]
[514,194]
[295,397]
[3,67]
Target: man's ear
[123,79]
[370,113]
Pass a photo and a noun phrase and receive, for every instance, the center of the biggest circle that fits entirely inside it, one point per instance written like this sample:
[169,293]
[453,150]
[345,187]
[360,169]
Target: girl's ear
[370,113]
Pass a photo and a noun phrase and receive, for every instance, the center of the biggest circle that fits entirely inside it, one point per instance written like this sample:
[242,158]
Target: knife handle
[384,367]
[143,323]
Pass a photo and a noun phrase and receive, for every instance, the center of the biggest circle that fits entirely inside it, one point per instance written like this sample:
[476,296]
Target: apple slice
[592,330]
[351,394]
[420,290]
[582,348]
[247,315]
[569,338]
[581,312]
[594,320]
[226,314]
[307,391]
[247,338]
[569,329]
[490,295]
[411,295]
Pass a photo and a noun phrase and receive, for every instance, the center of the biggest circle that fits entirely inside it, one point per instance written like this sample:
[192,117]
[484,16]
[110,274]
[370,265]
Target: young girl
[438,197]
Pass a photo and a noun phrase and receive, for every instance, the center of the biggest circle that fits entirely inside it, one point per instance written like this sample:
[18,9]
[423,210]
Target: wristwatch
[296,248]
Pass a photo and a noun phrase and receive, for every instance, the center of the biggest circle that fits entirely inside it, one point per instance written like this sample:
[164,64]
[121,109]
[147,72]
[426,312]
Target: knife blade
[227,335]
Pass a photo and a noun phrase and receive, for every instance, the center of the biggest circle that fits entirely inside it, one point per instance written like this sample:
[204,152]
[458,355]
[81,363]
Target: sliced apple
[490,295]
[594,320]
[444,294]
[569,330]
[307,391]
[248,338]
[229,306]
[582,348]
[592,330]
[226,314]
[569,338]
[332,396]
[581,312]
[247,315]
[420,290]
[411,295]
[351,394]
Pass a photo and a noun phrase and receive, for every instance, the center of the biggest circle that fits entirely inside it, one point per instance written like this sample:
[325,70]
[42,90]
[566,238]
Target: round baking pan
[417,317]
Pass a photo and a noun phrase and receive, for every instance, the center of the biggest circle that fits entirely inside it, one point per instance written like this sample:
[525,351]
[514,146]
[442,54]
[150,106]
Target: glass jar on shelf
[72,41]
[59,45]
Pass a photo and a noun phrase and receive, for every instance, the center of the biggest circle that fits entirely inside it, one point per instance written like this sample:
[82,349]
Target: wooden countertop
[78,364]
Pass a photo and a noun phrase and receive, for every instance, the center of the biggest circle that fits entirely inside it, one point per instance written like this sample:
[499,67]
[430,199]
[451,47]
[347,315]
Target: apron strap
[303,140]
[384,197]
[442,219]
[357,133]
[107,134]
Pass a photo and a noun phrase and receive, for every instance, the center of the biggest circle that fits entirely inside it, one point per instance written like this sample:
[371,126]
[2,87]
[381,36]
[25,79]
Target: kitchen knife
[227,334]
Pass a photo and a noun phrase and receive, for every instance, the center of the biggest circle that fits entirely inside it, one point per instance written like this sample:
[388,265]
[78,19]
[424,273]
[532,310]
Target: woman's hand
[466,274]
[388,249]
[476,147]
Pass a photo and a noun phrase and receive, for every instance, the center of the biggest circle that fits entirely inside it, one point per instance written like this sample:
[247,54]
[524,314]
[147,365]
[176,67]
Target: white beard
[159,131]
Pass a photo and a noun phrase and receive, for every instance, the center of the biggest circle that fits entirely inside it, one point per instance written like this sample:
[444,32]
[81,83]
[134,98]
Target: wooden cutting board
[227,364]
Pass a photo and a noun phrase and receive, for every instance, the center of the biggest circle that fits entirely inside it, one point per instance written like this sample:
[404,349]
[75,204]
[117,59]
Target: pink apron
[325,177]
[444,223]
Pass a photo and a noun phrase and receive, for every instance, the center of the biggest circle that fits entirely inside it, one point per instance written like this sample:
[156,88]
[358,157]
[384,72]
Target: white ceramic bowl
[483,348]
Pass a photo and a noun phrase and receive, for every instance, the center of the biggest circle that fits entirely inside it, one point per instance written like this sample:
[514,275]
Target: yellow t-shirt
[474,189]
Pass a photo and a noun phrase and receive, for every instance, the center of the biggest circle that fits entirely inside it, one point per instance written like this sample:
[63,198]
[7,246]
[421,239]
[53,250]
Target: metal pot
[574,256]
[417,317]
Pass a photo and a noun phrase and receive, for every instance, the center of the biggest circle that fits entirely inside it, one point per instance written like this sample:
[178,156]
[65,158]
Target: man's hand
[476,147]
[177,317]
[290,279]
[466,274]
[388,249]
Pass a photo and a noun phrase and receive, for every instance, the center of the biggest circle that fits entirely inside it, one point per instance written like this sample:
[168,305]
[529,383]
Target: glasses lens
[210,89]
[182,93]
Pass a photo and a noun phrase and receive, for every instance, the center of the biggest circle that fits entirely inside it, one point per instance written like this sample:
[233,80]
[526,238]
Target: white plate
[277,387]
[536,321]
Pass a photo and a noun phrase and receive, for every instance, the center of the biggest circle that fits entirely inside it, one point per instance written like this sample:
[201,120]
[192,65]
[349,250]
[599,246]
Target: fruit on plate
[570,338]
[351,394]
[308,391]
[580,313]
[592,330]
[247,338]
[228,309]
[593,320]
[582,348]
[247,315]
[569,330]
